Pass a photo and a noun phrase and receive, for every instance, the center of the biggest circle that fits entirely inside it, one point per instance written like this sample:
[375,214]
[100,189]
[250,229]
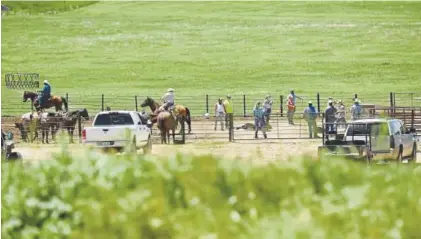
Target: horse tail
[66,106]
[187,114]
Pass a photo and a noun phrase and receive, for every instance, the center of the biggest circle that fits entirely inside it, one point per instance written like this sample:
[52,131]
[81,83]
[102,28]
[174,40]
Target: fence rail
[199,105]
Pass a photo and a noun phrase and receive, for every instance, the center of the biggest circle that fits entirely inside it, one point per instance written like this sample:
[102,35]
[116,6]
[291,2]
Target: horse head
[29,95]
[84,114]
[147,102]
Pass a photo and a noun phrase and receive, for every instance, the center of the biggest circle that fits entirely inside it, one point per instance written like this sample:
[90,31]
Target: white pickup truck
[119,129]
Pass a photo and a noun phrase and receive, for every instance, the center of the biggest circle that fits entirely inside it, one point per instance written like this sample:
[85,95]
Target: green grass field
[198,48]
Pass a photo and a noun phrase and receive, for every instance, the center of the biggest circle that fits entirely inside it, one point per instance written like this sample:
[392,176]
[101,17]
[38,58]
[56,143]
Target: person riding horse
[45,94]
[168,100]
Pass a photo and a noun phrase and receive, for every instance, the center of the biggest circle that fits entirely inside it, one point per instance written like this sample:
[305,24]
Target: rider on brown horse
[168,100]
[45,94]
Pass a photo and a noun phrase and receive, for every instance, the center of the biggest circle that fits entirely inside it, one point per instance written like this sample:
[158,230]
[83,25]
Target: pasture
[142,48]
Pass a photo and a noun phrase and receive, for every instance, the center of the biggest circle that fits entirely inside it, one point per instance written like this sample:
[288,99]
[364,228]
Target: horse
[47,121]
[31,122]
[166,122]
[69,119]
[56,101]
[180,111]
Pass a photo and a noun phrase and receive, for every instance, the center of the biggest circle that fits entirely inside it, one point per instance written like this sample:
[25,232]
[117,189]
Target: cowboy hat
[46,82]
[170,90]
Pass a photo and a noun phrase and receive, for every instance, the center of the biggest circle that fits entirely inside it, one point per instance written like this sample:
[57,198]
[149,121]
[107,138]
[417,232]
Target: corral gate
[406,99]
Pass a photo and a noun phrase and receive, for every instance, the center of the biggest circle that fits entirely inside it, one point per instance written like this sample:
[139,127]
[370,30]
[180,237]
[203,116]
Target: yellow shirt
[228,106]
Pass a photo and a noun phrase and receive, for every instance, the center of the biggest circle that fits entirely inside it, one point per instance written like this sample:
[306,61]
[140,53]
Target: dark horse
[69,119]
[56,101]
[181,112]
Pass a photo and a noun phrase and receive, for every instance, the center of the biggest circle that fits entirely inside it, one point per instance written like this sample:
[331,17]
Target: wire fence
[199,105]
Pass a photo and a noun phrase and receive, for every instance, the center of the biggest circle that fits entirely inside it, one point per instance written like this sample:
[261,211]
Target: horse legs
[70,132]
[188,120]
[173,136]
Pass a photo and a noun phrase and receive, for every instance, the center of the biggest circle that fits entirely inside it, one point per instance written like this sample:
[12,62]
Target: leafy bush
[105,196]
[45,6]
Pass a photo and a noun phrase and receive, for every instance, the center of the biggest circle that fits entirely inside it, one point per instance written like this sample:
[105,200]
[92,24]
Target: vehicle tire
[400,156]
[147,149]
[133,146]
[413,156]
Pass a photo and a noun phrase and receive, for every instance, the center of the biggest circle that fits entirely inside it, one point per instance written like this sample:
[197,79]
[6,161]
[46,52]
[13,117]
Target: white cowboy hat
[170,90]
[46,82]
[330,102]
[310,102]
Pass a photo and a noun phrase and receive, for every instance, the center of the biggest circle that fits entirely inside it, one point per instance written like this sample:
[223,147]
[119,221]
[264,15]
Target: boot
[265,135]
[255,135]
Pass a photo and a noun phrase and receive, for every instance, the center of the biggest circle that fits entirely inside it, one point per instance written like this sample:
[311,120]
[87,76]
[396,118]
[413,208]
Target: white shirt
[267,104]
[168,97]
[220,108]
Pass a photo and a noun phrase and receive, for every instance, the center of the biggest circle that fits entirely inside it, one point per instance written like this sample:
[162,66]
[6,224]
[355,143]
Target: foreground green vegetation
[198,48]
[202,197]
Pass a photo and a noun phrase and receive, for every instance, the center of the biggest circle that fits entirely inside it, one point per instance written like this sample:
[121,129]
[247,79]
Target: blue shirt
[258,112]
[46,90]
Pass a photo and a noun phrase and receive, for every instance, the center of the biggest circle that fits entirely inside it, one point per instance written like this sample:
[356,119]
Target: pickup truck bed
[118,129]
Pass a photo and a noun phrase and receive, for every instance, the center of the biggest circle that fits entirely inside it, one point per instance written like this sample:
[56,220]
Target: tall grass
[45,6]
[202,197]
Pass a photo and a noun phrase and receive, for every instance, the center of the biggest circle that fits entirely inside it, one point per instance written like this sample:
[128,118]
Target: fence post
[207,103]
[318,103]
[413,118]
[244,106]
[135,101]
[102,102]
[79,124]
[281,98]
[67,98]
[391,99]
[231,127]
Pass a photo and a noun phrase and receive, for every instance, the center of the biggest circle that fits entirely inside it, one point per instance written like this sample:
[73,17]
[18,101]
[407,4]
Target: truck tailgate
[112,133]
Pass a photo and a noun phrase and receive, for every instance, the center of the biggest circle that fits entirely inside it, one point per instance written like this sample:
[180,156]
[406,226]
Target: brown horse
[166,122]
[181,112]
[56,101]
[69,120]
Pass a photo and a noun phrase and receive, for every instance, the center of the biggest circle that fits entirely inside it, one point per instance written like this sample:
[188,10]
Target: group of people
[223,112]
[261,112]
[333,116]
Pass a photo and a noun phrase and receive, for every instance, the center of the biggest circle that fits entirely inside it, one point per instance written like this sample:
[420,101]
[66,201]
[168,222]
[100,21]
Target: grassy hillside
[202,197]
[127,48]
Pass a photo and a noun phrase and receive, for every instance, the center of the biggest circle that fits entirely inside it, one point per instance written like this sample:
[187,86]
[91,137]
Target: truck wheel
[147,149]
[413,157]
[132,146]
[400,158]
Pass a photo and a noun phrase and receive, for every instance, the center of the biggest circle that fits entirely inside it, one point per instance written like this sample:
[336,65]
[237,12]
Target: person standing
[291,110]
[267,105]
[310,115]
[294,97]
[229,110]
[259,120]
[356,110]
[219,113]
[330,118]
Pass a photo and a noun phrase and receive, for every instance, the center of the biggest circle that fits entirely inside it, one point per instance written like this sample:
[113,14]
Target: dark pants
[43,99]
[267,115]
[168,105]
[259,124]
